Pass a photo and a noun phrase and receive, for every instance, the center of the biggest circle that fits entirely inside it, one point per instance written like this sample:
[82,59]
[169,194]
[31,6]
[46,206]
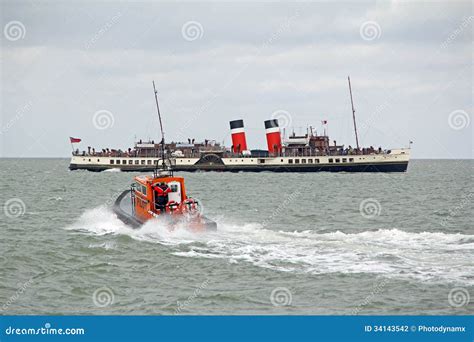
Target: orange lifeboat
[163,196]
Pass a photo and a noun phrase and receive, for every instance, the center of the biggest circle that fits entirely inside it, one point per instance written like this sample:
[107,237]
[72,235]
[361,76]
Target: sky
[85,69]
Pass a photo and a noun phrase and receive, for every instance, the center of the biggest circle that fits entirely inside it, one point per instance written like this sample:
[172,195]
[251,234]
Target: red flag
[324,122]
[74,140]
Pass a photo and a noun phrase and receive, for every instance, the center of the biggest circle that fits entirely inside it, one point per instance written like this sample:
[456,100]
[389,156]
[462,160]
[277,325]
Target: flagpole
[73,141]
[325,125]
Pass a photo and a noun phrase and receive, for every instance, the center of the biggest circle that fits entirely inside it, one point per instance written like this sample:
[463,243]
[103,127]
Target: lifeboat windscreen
[175,194]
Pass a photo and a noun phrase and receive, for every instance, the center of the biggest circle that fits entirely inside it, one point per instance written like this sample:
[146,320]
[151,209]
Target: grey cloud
[251,60]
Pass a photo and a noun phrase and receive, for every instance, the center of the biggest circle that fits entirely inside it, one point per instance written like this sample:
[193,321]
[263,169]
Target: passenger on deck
[161,196]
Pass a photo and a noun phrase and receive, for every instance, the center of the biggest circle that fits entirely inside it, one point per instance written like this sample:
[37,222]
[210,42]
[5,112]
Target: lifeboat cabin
[162,196]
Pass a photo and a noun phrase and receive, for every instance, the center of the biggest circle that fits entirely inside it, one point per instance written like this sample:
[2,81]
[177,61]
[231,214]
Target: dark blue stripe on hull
[386,167]
[399,167]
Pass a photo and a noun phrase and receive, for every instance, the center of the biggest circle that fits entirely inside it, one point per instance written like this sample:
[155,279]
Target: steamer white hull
[395,161]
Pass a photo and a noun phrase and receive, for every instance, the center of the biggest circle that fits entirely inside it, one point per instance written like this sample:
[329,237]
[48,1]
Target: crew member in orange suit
[161,196]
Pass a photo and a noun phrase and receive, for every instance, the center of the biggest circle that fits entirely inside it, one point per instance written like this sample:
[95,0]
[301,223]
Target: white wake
[427,256]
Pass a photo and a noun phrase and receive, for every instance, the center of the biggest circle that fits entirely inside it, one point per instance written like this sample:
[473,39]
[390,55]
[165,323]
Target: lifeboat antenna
[162,133]
[353,113]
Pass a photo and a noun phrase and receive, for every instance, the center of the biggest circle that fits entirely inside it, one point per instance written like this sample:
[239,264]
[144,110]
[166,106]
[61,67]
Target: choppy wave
[427,256]
[112,170]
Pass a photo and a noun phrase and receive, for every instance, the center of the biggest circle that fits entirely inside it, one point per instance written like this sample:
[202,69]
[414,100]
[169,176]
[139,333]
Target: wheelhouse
[144,196]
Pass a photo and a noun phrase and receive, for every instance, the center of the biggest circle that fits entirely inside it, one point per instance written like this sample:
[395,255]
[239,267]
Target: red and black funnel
[273,136]
[239,142]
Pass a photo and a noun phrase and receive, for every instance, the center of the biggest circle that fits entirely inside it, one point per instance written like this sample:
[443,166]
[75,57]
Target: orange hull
[139,205]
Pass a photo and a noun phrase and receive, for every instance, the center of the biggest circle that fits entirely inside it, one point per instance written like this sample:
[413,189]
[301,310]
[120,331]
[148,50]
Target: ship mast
[161,128]
[353,113]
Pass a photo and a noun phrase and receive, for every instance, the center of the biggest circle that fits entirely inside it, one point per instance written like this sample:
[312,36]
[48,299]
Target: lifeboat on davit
[161,196]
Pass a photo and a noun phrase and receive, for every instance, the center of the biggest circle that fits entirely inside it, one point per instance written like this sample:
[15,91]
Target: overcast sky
[85,69]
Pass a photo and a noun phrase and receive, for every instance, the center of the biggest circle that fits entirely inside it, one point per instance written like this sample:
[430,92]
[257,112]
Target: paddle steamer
[305,153]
